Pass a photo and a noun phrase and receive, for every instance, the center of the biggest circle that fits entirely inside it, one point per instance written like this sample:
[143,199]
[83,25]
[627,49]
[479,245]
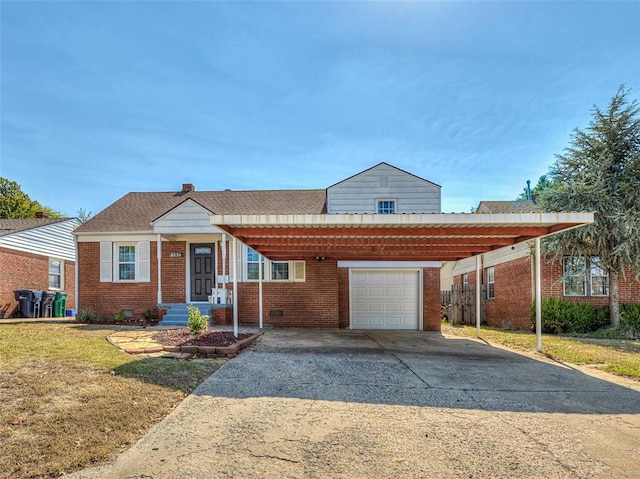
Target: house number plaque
[176,255]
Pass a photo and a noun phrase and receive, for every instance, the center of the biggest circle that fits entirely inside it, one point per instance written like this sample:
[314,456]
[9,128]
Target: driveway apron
[391,404]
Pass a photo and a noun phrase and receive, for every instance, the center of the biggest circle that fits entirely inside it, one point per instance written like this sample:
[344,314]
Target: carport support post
[260,262]
[234,252]
[478,292]
[538,298]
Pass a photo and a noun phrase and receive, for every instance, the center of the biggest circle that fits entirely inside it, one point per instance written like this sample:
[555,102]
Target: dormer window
[386,206]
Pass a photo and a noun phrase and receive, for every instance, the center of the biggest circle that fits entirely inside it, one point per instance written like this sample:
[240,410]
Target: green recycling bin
[59,303]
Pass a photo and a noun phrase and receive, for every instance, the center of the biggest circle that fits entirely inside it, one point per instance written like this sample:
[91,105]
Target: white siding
[359,193]
[53,240]
[492,258]
[187,217]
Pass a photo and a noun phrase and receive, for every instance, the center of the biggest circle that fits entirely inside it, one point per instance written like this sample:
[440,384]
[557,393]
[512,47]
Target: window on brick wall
[584,276]
[491,279]
[465,279]
[254,261]
[273,270]
[126,262]
[56,271]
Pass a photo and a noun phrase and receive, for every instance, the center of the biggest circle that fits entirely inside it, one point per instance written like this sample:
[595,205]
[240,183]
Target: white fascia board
[421,219]
[116,237]
[389,264]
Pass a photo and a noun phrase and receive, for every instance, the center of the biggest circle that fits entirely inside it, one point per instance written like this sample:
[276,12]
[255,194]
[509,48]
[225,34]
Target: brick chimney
[188,187]
[41,214]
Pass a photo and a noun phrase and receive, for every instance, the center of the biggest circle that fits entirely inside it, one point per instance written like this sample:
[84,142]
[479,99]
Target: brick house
[37,254]
[508,274]
[363,253]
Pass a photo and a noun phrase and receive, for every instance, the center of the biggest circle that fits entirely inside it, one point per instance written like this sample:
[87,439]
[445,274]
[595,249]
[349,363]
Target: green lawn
[618,356]
[71,400]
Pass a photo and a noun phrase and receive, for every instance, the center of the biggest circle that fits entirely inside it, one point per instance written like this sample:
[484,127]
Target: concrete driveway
[367,404]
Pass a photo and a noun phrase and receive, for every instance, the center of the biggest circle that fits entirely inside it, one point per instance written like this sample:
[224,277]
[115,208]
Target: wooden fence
[459,304]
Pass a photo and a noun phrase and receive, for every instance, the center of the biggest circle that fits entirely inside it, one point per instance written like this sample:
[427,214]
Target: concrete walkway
[355,404]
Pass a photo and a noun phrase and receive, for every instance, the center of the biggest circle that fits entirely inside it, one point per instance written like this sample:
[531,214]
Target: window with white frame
[126,262]
[56,269]
[254,260]
[386,206]
[574,276]
[465,279]
[280,271]
[491,280]
[584,276]
[599,279]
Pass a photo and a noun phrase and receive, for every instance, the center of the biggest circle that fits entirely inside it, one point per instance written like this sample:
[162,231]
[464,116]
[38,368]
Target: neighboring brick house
[508,274]
[363,253]
[37,254]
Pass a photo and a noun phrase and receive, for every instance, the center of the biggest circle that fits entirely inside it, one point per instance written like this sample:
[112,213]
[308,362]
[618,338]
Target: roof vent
[188,187]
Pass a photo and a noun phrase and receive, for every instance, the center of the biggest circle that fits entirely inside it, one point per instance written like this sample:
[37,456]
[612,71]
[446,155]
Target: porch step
[177,313]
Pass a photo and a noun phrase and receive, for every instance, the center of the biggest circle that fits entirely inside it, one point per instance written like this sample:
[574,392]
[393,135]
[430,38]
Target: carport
[394,239]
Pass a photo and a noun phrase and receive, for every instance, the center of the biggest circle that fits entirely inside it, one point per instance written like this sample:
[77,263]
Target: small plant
[87,316]
[119,316]
[150,315]
[197,322]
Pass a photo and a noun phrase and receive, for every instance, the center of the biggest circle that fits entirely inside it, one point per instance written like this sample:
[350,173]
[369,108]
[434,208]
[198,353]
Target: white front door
[385,299]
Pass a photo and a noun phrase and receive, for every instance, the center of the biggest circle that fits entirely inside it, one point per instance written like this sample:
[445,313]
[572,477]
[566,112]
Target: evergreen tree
[600,172]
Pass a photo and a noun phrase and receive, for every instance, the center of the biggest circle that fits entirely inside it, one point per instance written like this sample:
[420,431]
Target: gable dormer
[384,189]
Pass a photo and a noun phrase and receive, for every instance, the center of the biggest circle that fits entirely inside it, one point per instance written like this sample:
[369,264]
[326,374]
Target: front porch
[177,313]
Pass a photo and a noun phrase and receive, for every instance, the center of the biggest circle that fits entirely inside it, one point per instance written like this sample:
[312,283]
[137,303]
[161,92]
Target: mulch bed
[183,337]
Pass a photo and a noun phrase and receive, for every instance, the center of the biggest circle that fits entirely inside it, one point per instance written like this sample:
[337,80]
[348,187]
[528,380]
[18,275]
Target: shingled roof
[524,206]
[134,212]
[10,226]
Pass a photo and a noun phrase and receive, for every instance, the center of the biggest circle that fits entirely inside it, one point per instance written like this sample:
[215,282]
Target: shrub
[87,316]
[119,316]
[559,316]
[630,319]
[197,323]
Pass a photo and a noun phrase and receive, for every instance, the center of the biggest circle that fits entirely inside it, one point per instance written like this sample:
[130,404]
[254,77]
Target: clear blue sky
[102,98]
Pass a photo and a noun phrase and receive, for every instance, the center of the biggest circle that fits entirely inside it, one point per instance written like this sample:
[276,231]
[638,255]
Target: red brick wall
[174,272]
[431,299]
[21,270]
[343,297]
[107,298]
[312,303]
[511,306]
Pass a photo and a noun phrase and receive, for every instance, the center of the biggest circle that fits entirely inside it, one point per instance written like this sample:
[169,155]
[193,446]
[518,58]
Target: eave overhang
[397,237]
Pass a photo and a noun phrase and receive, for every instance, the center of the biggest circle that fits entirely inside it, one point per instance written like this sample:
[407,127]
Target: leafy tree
[543,182]
[600,172]
[14,203]
[83,215]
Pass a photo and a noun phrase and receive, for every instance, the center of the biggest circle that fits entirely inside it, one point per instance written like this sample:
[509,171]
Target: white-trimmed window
[584,277]
[280,271]
[491,283]
[56,273]
[254,260]
[465,279]
[386,206]
[599,278]
[125,261]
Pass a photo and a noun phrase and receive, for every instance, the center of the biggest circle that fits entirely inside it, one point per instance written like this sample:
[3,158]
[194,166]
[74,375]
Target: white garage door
[384,299]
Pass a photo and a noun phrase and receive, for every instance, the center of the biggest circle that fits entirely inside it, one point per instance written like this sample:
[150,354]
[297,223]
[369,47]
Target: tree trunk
[614,299]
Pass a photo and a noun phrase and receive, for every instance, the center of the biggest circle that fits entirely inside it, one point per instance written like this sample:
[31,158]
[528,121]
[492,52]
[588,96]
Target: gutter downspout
[260,263]
[159,258]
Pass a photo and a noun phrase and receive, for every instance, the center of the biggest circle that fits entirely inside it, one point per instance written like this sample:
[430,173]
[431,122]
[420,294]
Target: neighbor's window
[386,206]
[280,270]
[599,278]
[55,274]
[575,276]
[465,279]
[491,289]
[253,265]
[126,266]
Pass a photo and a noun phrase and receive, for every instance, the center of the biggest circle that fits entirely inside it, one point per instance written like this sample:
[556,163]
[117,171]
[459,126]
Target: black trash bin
[46,304]
[29,302]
